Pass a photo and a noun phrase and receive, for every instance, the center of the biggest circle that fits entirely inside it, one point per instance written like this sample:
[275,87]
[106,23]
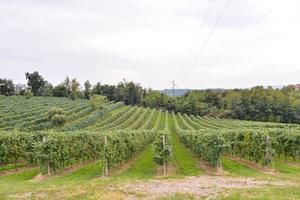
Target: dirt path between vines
[15,171]
[200,187]
[252,165]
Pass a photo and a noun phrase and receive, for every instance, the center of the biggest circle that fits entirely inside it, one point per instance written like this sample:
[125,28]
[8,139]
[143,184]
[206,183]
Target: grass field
[138,176]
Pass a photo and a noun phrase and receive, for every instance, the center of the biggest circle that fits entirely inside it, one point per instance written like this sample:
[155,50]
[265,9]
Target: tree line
[129,92]
[257,103]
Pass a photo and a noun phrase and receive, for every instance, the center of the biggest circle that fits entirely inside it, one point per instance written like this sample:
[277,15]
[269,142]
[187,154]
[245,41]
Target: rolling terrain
[108,153]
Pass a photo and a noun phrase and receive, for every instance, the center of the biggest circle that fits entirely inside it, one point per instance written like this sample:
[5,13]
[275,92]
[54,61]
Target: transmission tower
[173,88]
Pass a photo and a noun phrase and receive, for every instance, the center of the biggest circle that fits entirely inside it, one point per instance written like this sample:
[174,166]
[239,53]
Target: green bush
[28,94]
[58,120]
[55,111]
[98,101]
[57,116]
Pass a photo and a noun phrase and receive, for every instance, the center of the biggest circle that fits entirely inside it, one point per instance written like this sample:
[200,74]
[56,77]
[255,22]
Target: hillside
[130,145]
[177,92]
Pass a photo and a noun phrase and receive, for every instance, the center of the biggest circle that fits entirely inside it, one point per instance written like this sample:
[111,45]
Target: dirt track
[202,186]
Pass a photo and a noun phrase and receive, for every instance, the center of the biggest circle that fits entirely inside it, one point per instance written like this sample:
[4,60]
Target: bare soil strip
[252,165]
[293,164]
[170,170]
[208,169]
[202,186]
[14,171]
[72,168]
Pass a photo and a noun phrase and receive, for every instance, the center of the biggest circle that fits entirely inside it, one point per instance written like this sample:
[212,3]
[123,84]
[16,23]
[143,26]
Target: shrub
[57,116]
[58,120]
[53,111]
[97,101]
[28,94]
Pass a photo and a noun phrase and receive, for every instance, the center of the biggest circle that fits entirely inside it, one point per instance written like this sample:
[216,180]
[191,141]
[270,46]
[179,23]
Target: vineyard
[114,134]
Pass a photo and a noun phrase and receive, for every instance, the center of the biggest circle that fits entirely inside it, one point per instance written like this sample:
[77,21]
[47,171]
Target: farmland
[101,151]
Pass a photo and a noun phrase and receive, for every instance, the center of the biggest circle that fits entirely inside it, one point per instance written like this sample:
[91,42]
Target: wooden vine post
[268,158]
[105,162]
[164,143]
[48,163]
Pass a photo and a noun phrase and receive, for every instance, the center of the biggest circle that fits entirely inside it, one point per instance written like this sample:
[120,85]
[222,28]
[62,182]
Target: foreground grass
[87,183]
[264,193]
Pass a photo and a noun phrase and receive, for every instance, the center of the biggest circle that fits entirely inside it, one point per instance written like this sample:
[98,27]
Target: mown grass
[162,121]
[283,167]
[238,169]
[11,166]
[18,182]
[21,176]
[84,173]
[143,167]
[182,158]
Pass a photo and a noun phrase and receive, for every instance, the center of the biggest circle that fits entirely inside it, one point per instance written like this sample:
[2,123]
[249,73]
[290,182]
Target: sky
[198,43]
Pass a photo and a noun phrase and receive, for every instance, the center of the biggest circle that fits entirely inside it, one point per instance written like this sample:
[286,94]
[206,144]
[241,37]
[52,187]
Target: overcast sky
[197,43]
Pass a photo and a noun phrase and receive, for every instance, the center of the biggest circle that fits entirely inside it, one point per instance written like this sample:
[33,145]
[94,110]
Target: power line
[212,31]
[196,37]
[209,36]
[254,26]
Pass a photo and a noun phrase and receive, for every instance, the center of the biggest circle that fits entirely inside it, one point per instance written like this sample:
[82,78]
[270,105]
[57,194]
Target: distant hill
[177,92]
[181,92]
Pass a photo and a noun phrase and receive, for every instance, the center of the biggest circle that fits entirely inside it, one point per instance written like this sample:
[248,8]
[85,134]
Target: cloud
[148,41]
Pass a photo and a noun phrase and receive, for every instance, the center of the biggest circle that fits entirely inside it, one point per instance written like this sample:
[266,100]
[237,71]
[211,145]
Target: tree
[231,99]
[67,84]
[7,87]
[87,90]
[74,89]
[60,91]
[47,90]
[133,93]
[96,89]
[155,99]
[109,91]
[35,82]
[20,89]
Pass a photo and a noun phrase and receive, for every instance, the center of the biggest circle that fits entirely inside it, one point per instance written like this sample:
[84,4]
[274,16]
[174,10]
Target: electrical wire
[208,38]
[247,32]
[196,37]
